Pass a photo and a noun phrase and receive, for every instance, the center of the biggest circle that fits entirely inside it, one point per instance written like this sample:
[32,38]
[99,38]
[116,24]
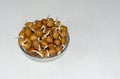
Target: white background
[94,49]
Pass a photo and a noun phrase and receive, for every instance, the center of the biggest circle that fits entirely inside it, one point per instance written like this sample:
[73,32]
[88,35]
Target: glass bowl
[48,58]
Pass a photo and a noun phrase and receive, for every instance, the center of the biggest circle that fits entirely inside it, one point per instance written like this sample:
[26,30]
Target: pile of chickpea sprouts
[43,38]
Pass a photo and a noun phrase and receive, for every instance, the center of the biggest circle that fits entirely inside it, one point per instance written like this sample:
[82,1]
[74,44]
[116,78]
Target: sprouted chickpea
[55,34]
[33,37]
[51,45]
[49,39]
[43,38]
[52,51]
[22,34]
[57,23]
[38,33]
[64,34]
[44,21]
[63,41]
[58,48]
[29,25]
[27,46]
[30,51]
[20,41]
[38,24]
[44,53]
[57,42]
[28,32]
[64,28]
[50,22]
[36,44]
[44,43]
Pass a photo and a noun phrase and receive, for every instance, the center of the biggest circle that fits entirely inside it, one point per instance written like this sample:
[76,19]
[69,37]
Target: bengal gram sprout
[43,38]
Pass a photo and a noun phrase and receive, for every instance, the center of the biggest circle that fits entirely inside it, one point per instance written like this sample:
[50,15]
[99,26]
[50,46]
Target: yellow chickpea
[22,34]
[44,53]
[57,23]
[30,51]
[51,45]
[27,46]
[58,48]
[34,27]
[29,24]
[64,28]
[49,39]
[28,32]
[43,37]
[52,52]
[38,23]
[64,41]
[36,44]
[55,34]
[50,22]
[64,34]
[20,41]
[44,43]
[53,28]
[38,33]
[57,41]
[33,37]
[44,21]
